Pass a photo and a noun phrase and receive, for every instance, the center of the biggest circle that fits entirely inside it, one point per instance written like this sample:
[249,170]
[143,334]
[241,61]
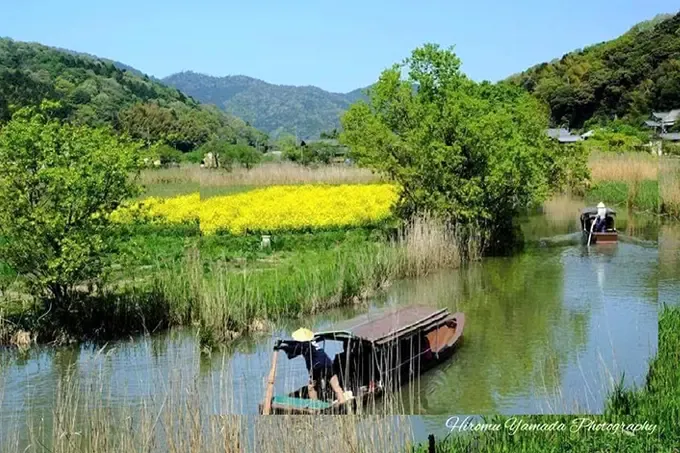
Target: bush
[58,186]
[245,155]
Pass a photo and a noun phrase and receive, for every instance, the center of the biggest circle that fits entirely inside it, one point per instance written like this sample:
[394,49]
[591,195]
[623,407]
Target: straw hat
[303,334]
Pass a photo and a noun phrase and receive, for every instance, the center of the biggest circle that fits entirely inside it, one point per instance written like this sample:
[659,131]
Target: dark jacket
[315,357]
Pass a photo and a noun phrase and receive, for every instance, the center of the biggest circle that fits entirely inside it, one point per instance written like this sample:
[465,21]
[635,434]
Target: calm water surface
[548,331]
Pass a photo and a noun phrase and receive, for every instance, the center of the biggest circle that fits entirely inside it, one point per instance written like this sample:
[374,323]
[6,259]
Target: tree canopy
[58,185]
[475,152]
[627,77]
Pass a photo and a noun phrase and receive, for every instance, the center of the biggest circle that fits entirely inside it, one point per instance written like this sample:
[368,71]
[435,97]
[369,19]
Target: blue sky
[338,46]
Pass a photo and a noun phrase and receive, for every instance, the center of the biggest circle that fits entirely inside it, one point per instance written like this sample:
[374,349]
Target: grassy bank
[657,403]
[626,180]
[229,285]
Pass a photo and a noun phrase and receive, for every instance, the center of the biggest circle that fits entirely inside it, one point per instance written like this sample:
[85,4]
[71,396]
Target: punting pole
[269,393]
[592,225]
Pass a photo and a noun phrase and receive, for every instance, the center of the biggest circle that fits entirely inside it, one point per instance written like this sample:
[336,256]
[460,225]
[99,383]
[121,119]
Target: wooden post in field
[430,440]
[269,393]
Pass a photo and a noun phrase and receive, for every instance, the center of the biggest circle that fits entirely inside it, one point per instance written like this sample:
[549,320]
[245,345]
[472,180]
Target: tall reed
[232,299]
[190,177]
[427,243]
[176,417]
[623,167]
[669,186]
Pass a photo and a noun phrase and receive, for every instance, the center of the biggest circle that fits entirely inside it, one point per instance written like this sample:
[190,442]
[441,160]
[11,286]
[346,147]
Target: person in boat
[319,365]
[601,219]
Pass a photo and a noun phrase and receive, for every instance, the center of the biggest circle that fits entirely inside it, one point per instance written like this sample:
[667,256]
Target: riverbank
[629,180]
[657,404]
[229,285]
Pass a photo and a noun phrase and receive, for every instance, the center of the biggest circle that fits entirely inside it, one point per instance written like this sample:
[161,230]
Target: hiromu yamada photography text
[517,424]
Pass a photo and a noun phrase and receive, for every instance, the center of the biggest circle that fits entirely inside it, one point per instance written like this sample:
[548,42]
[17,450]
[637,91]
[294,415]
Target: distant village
[660,123]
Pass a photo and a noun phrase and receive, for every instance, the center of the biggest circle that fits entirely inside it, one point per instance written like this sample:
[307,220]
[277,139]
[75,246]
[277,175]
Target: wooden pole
[269,393]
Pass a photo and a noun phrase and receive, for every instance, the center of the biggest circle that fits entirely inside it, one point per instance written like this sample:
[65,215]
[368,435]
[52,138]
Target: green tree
[475,153]
[245,155]
[220,148]
[58,185]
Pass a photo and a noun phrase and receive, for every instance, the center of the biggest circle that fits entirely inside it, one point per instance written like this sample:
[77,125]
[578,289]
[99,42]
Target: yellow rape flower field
[273,208]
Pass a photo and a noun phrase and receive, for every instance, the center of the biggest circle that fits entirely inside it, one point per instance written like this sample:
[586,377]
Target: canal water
[550,330]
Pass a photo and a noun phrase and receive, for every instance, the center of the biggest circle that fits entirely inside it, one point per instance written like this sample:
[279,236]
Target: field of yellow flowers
[273,208]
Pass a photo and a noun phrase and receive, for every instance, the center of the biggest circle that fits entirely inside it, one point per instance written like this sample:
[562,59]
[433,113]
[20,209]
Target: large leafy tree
[476,153]
[58,185]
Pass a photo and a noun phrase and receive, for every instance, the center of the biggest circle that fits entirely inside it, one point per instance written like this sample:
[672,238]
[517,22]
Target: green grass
[658,402]
[641,196]
[170,275]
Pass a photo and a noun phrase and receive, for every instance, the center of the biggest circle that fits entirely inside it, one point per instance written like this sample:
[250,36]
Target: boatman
[319,365]
[601,219]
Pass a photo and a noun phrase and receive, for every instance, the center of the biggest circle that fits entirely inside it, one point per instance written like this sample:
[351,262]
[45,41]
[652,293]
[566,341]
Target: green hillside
[626,77]
[98,92]
[304,110]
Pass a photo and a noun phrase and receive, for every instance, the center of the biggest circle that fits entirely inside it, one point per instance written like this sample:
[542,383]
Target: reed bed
[179,413]
[623,167]
[283,173]
[669,186]
[266,174]
[629,179]
[232,300]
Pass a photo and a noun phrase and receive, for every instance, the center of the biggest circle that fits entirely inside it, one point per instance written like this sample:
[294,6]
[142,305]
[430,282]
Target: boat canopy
[593,211]
[383,327]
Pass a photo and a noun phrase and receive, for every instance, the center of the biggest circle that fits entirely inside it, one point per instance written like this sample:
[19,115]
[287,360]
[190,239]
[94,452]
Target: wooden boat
[590,237]
[379,352]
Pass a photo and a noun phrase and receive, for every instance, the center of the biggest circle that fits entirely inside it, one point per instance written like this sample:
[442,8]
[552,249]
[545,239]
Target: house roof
[569,139]
[650,123]
[667,117]
[673,137]
[557,132]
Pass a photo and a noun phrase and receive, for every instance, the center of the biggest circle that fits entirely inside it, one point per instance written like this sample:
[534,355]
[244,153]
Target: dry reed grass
[263,175]
[427,244]
[623,167]
[562,208]
[176,417]
[669,186]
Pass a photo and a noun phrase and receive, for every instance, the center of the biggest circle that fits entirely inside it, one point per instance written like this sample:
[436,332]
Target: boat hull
[608,237]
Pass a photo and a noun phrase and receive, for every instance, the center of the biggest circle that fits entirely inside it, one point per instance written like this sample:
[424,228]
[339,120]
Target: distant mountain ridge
[305,110]
[100,92]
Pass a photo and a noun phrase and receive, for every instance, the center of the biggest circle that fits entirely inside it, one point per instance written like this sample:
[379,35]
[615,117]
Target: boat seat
[439,338]
[300,403]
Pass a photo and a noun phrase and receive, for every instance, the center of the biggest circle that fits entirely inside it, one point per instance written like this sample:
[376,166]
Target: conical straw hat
[303,334]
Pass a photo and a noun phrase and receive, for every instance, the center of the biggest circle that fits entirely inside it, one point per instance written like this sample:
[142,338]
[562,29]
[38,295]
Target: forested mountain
[306,110]
[627,77]
[98,92]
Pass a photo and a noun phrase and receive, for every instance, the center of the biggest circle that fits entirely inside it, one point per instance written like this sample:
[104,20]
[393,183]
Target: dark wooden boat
[379,352]
[590,237]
